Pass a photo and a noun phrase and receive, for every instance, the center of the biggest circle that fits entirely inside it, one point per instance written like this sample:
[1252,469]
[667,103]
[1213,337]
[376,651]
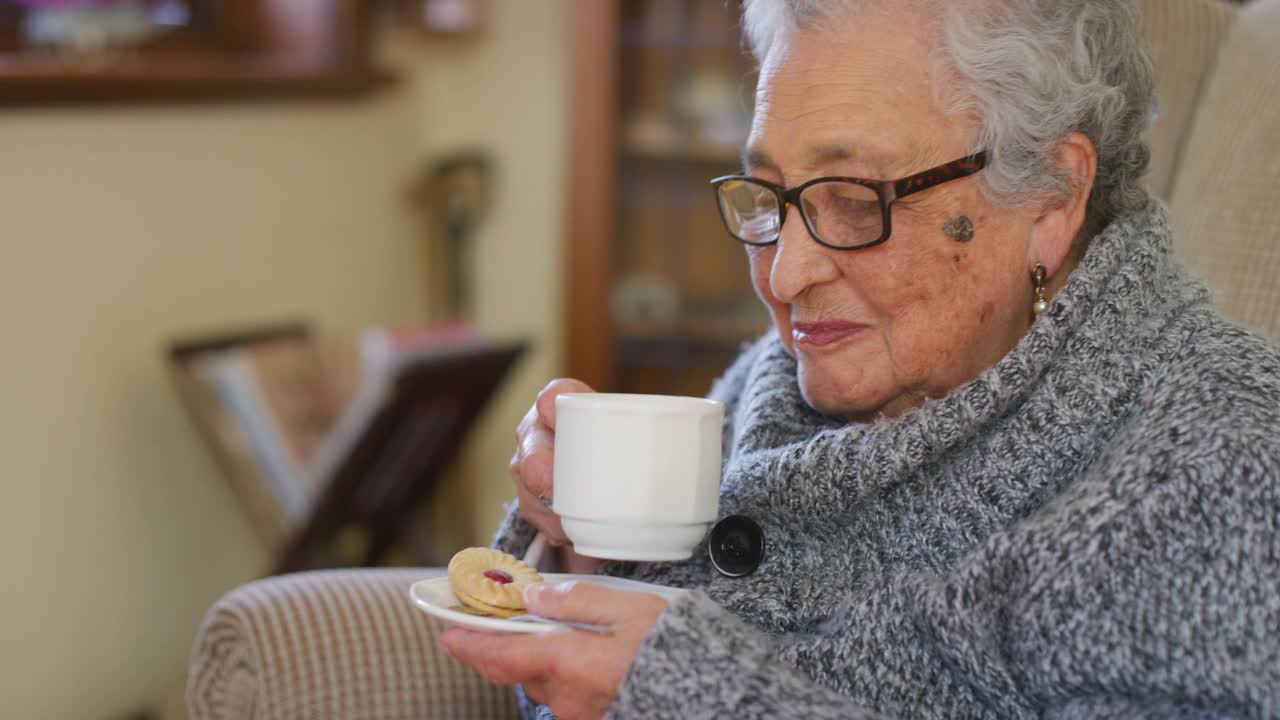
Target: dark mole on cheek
[959,228]
[956,259]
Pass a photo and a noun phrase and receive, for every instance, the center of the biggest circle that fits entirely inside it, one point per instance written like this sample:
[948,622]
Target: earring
[1038,275]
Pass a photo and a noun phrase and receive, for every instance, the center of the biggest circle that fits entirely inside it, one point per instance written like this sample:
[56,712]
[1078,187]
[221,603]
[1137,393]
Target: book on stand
[285,410]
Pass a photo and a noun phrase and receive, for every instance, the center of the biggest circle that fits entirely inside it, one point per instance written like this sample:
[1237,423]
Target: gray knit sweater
[1090,529]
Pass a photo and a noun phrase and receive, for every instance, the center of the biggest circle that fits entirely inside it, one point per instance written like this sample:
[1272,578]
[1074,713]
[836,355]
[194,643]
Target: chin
[830,396]
[822,404]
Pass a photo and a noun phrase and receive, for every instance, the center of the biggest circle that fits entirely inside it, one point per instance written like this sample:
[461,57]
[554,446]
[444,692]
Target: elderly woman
[1005,458]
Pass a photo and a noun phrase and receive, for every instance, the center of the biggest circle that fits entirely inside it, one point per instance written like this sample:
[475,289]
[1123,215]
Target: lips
[822,334]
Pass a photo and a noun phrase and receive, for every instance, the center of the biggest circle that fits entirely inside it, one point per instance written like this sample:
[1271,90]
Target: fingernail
[532,593]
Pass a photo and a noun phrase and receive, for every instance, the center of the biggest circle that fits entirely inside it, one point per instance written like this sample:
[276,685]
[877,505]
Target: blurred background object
[95,50]
[659,299]
[89,28]
[445,17]
[452,196]
[333,442]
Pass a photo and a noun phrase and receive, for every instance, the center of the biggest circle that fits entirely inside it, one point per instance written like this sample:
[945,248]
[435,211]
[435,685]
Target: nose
[799,262]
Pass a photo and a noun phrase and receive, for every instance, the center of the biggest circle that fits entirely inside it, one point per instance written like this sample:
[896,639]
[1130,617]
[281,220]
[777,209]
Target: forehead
[858,91]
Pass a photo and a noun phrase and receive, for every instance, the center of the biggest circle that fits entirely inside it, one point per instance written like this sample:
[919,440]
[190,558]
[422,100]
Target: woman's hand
[531,471]
[576,673]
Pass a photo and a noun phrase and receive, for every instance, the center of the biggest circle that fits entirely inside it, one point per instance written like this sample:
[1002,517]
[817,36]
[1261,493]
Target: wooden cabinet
[659,298]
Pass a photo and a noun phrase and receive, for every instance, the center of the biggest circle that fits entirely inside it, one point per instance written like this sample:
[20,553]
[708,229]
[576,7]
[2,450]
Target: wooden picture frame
[230,48]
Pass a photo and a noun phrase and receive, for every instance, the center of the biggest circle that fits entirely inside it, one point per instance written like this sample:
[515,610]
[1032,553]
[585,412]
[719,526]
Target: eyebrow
[822,154]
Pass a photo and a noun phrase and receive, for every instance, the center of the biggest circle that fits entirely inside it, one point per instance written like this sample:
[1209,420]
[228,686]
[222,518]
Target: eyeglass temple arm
[943,173]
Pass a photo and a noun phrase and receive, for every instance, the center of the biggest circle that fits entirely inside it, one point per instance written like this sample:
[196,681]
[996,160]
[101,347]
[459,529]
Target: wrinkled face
[876,331]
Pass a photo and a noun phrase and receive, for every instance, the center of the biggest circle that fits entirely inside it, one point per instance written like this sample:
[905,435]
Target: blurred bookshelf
[659,297]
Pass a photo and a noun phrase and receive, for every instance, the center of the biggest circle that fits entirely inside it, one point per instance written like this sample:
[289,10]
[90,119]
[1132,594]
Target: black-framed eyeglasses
[842,213]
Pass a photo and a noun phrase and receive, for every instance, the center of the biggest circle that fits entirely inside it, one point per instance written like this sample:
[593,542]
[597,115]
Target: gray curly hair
[1033,72]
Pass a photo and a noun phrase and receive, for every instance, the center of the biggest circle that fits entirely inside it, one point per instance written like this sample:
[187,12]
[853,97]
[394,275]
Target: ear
[1053,234]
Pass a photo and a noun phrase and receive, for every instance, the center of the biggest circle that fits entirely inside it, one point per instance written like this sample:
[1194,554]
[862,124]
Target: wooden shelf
[651,85]
[694,332]
[242,49]
[675,351]
[25,82]
[701,152]
[638,38]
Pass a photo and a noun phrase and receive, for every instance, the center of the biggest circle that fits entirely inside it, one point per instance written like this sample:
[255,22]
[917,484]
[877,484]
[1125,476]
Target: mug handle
[537,548]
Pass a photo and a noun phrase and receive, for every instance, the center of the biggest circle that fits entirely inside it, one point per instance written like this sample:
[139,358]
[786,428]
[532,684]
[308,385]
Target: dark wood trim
[189,80]
[592,184]
[186,81]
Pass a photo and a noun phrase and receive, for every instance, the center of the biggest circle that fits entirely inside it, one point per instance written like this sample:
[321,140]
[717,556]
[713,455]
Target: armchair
[332,644]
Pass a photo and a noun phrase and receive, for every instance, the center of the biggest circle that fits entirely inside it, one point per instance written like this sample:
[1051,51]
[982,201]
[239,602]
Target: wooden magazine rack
[378,488]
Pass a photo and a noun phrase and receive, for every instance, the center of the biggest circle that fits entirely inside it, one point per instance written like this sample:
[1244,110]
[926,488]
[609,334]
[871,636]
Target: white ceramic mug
[637,477]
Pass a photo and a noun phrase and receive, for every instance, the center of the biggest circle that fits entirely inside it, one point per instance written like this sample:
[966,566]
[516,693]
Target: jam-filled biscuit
[485,609]
[491,580]
[494,612]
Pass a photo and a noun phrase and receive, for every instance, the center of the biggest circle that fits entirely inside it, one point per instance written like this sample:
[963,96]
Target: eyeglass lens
[840,214]
[750,211]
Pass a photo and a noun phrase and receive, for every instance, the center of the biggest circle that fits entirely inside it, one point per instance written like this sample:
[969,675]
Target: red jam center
[498,576]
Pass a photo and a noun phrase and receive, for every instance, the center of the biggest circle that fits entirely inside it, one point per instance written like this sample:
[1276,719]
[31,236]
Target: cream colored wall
[506,93]
[123,228]
[120,230]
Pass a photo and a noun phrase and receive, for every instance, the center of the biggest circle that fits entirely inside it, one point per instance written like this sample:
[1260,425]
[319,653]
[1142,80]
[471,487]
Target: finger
[591,603]
[502,659]
[537,691]
[546,402]
[536,464]
[529,420]
[529,423]
[541,517]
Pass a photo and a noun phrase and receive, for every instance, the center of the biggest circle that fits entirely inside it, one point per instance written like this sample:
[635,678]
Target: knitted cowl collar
[1110,322]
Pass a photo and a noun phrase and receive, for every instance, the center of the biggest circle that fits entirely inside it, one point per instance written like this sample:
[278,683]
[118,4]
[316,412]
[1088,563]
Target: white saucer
[435,597]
